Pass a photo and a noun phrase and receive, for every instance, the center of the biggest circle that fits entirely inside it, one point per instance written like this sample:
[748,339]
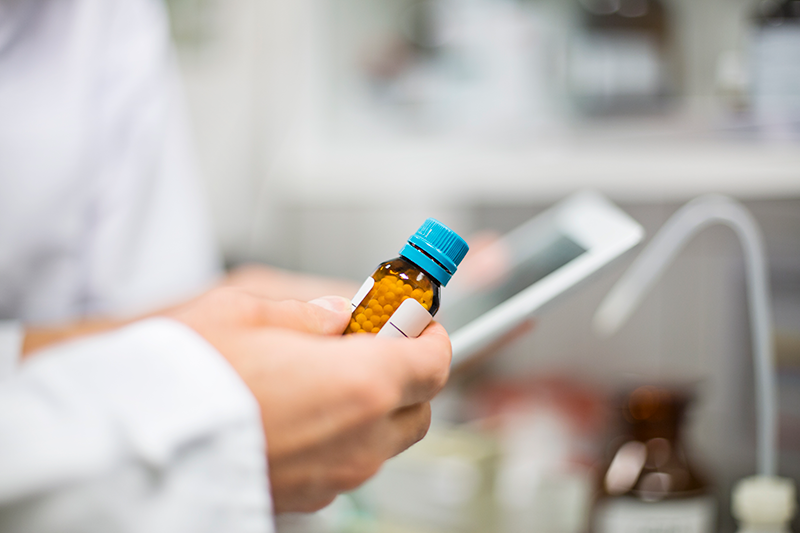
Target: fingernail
[337,304]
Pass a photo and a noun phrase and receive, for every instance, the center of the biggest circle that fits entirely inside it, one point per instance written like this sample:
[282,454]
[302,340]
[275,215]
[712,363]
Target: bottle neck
[427,263]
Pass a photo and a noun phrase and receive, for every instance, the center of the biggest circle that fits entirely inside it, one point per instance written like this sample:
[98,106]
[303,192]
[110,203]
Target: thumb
[324,316]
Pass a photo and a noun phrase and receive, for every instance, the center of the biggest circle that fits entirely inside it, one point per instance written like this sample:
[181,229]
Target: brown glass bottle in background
[777,13]
[623,61]
[775,67]
[648,483]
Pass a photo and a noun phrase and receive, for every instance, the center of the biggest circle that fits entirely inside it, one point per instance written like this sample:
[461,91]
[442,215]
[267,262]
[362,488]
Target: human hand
[261,280]
[277,284]
[333,408]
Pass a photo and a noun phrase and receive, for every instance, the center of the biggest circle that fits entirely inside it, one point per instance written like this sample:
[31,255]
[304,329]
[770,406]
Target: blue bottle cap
[443,250]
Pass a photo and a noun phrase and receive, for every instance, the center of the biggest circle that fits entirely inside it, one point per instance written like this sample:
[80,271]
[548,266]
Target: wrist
[37,338]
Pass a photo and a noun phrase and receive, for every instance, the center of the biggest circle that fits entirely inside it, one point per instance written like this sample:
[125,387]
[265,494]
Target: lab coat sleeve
[146,429]
[152,242]
[11,336]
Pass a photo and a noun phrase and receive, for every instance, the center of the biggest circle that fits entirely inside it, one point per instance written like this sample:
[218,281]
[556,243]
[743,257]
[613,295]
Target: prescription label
[627,515]
[362,293]
[408,321]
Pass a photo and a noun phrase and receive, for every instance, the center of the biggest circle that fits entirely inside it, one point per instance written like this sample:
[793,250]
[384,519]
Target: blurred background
[327,130]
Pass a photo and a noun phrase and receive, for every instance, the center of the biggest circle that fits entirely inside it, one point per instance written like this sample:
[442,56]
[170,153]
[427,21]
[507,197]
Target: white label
[362,293]
[408,321]
[626,515]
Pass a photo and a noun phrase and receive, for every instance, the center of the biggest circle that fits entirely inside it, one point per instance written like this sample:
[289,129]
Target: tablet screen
[542,261]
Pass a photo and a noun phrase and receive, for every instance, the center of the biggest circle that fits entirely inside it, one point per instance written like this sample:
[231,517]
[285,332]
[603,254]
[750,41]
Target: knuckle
[294,307]
[424,423]
[441,376]
[301,314]
[353,476]
[248,308]
[416,427]
[308,314]
[433,382]
[443,367]
[374,395]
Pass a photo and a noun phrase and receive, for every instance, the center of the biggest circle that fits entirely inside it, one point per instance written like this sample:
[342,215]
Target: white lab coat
[146,429]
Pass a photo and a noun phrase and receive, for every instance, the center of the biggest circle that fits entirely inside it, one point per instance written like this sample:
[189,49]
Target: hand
[333,408]
[277,284]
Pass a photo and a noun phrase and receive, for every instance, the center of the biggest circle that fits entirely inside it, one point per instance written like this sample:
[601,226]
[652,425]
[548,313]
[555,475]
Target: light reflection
[659,451]
[625,468]
[655,486]
[601,7]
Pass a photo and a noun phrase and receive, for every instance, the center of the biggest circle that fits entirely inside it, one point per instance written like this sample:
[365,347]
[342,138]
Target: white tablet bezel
[587,218]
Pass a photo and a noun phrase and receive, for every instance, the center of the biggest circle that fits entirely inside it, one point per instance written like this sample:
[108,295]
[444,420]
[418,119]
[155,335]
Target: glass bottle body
[623,60]
[392,283]
[648,482]
[775,68]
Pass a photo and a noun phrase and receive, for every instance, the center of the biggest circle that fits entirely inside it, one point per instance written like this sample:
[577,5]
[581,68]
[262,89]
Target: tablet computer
[533,265]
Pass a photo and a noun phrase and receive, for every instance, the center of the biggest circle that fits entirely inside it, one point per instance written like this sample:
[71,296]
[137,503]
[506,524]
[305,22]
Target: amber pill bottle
[403,294]
[650,482]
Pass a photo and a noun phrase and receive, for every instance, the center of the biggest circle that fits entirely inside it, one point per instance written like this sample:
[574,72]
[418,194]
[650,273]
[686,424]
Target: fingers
[324,316]
[425,365]
[310,479]
[411,424]
[413,370]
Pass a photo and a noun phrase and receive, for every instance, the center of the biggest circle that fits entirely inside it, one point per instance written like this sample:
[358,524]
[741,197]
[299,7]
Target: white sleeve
[146,429]
[11,334]
[152,242]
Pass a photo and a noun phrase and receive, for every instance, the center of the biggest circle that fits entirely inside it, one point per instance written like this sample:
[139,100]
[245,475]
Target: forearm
[267,282]
[38,338]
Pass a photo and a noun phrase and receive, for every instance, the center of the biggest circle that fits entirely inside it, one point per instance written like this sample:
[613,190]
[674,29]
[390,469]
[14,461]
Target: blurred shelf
[451,171]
